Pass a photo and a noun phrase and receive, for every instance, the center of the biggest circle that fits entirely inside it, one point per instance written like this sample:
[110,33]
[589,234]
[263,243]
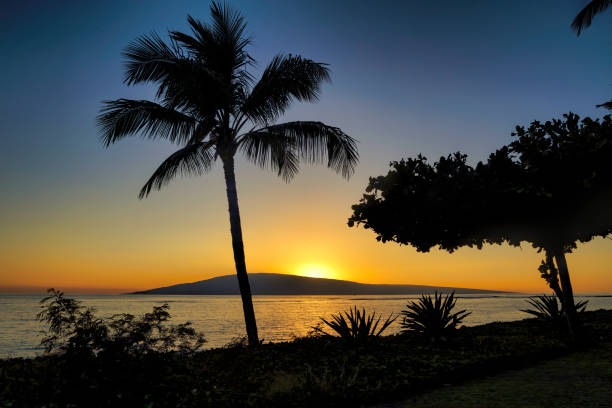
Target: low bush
[75,329]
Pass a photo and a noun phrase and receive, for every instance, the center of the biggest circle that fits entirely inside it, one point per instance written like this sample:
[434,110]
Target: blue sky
[428,77]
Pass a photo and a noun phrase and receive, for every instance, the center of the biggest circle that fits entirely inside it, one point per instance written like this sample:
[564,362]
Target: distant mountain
[280,284]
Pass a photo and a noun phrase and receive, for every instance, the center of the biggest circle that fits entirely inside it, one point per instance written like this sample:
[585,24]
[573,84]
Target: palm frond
[229,29]
[193,159]
[221,47]
[183,82]
[124,117]
[193,87]
[202,44]
[585,17]
[269,150]
[315,142]
[214,50]
[149,59]
[607,105]
[284,79]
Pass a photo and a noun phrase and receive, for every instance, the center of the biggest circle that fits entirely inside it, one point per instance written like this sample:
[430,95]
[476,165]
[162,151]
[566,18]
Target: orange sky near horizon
[85,243]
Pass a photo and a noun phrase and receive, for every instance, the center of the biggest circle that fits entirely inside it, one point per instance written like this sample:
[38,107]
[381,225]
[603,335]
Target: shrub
[239,342]
[75,329]
[433,317]
[547,308]
[355,325]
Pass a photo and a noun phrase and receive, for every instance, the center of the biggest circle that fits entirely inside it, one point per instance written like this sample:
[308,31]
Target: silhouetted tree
[552,187]
[206,97]
[75,330]
[569,181]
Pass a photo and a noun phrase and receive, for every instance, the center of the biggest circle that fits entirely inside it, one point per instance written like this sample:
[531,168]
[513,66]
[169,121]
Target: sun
[315,271]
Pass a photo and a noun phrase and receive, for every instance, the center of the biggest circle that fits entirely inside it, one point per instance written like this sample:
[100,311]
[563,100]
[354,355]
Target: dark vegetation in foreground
[124,362]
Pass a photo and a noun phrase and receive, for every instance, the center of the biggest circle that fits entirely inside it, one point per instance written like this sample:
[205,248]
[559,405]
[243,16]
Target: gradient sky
[408,77]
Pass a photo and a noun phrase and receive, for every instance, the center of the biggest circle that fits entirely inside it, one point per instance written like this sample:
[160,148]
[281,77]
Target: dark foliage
[412,204]
[551,187]
[356,325]
[324,371]
[75,330]
[568,186]
[585,17]
[547,308]
[433,317]
[206,96]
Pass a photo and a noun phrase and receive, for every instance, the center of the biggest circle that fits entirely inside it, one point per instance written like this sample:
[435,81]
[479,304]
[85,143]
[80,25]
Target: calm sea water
[220,317]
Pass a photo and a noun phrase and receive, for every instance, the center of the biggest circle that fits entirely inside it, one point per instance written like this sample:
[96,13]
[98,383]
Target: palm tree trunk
[568,293]
[238,246]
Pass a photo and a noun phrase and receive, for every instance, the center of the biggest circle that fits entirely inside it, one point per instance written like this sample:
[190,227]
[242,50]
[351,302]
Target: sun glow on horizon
[315,271]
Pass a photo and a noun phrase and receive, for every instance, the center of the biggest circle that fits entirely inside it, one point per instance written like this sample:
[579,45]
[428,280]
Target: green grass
[580,380]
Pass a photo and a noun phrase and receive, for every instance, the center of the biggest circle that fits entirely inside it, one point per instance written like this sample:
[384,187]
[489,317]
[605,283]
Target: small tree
[552,187]
[568,182]
[75,330]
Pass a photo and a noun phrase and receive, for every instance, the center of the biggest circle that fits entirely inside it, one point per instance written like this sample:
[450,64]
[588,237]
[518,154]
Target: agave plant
[433,316]
[547,308]
[355,325]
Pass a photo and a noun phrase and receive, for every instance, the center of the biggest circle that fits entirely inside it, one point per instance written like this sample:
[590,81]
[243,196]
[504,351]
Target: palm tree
[585,17]
[206,97]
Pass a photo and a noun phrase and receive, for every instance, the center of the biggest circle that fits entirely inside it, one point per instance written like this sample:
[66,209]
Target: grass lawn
[582,379]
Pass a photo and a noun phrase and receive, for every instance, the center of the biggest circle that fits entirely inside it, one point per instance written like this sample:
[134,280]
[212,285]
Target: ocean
[279,318]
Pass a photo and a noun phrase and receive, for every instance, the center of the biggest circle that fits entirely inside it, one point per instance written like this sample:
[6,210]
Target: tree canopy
[552,186]
[568,178]
[448,204]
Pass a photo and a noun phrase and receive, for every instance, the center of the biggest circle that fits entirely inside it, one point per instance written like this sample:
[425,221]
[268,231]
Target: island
[283,284]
